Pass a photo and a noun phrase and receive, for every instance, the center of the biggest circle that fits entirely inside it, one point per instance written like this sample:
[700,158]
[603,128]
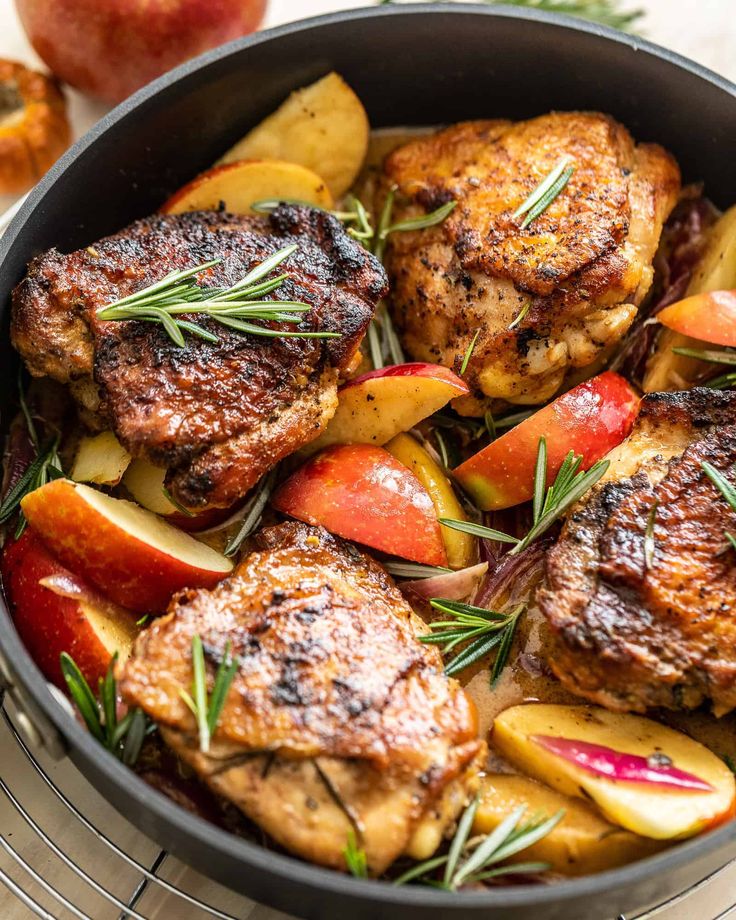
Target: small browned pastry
[34,129]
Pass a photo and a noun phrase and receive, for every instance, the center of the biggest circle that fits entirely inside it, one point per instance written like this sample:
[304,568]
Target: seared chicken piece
[576,274]
[338,719]
[641,585]
[216,415]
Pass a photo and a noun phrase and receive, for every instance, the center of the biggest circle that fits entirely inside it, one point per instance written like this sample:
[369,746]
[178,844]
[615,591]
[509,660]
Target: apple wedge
[582,843]
[55,611]
[460,547]
[646,777]
[376,406]
[146,483]
[322,126]
[709,317]
[237,186]
[101,459]
[590,420]
[364,494]
[132,556]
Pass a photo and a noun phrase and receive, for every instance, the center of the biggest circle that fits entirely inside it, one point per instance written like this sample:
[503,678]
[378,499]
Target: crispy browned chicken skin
[580,270]
[217,415]
[338,718]
[639,627]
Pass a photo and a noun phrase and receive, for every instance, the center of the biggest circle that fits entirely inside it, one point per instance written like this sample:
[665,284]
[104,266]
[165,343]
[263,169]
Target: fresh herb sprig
[43,469]
[207,709]
[414,570]
[483,629]
[726,489]
[122,737]
[165,301]
[472,860]
[548,504]
[355,857]
[253,512]
[545,193]
[713,356]
[605,12]
[469,354]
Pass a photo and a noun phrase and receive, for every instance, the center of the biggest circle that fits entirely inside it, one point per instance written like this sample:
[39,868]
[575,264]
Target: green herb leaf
[705,354]
[545,193]
[469,354]
[254,509]
[414,570]
[520,316]
[355,857]
[207,710]
[725,488]
[478,530]
[82,696]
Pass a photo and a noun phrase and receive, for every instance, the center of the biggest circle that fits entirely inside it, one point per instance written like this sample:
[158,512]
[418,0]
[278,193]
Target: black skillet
[417,64]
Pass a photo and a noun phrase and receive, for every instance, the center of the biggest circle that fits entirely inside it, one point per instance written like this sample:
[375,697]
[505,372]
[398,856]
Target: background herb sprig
[206,708]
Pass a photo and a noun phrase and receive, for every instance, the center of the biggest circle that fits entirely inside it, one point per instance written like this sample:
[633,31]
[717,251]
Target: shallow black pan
[410,65]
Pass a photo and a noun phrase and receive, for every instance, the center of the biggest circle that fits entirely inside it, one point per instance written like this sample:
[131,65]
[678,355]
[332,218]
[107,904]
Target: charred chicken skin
[338,719]
[640,590]
[216,415]
[549,297]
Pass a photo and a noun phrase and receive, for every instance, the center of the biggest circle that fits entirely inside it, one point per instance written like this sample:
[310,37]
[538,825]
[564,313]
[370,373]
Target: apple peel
[621,766]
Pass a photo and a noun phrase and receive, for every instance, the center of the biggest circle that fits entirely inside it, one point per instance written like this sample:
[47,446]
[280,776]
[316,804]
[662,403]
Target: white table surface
[701,29]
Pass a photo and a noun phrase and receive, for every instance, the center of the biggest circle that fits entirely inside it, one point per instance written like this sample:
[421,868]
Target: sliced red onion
[514,576]
[453,586]
[618,765]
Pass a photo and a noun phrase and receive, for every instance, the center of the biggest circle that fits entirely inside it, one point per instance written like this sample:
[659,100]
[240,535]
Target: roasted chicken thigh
[640,590]
[338,719]
[545,298]
[216,415]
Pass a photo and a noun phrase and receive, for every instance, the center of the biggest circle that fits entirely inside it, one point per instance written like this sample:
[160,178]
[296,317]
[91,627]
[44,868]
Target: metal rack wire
[42,862]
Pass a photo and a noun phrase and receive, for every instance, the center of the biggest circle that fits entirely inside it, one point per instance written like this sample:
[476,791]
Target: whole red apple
[109,48]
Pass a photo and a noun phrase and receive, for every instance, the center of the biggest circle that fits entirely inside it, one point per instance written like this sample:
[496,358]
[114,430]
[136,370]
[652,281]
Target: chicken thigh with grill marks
[216,415]
[640,590]
[338,719]
[546,298]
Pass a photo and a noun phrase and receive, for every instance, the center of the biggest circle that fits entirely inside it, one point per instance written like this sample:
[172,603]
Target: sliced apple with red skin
[710,317]
[362,493]
[644,776]
[132,556]
[55,611]
[239,185]
[591,419]
[376,406]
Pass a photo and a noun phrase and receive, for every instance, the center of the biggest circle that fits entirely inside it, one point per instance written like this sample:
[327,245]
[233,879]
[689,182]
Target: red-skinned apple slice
[375,407]
[644,776]
[591,419]
[362,493]
[55,611]
[131,555]
[710,317]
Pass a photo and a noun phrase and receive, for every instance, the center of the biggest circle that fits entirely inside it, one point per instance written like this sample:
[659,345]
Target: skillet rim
[81,746]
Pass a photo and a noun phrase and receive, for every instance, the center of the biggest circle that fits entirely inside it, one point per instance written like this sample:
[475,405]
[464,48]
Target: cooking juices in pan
[382,487]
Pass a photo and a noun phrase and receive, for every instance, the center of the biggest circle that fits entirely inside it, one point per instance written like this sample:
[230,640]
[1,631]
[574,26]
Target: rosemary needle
[207,710]
[545,193]
[469,354]
[355,857]
[726,489]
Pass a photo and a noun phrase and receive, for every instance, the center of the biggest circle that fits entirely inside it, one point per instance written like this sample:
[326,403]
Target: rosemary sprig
[483,629]
[469,354]
[548,505]
[545,193]
[178,293]
[43,469]
[725,488]
[470,860]
[605,12]
[519,318]
[207,709]
[124,737]
[713,356]
[414,570]
[355,857]
[253,512]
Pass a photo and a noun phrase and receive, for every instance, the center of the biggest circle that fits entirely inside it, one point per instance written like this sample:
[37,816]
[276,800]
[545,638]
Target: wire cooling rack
[65,853]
